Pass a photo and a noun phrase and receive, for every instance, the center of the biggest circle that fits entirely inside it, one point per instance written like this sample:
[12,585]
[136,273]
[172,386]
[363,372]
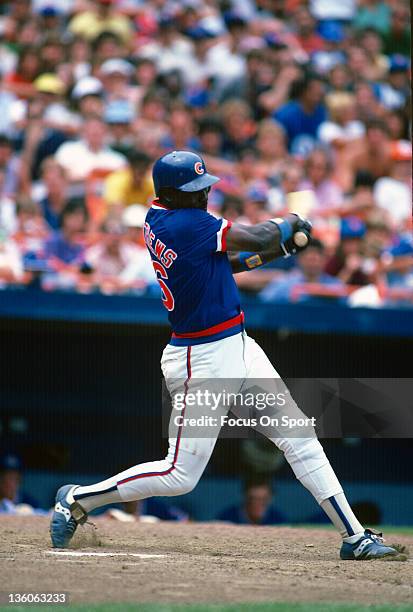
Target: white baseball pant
[238,358]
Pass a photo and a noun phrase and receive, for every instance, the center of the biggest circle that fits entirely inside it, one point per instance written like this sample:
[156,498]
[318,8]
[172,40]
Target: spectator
[371,42]
[181,130]
[30,230]
[119,261]
[318,169]
[291,176]
[109,258]
[79,55]
[106,46]
[50,91]
[360,201]
[103,17]
[396,38]
[10,167]
[302,117]
[373,14]
[255,205]
[246,168]
[11,263]
[360,63]
[332,54]
[131,184]
[87,95]
[368,106]
[12,497]
[145,75]
[139,273]
[169,50]
[65,245]
[81,157]
[239,128]
[339,79]
[398,263]
[231,208]
[395,92]
[52,52]
[256,507]
[270,145]
[46,124]
[7,104]
[327,12]
[398,125]
[7,208]
[115,75]
[378,239]
[55,185]
[210,136]
[342,128]
[118,116]
[311,264]
[307,36]
[153,113]
[20,82]
[374,156]
[393,194]
[51,19]
[347,262]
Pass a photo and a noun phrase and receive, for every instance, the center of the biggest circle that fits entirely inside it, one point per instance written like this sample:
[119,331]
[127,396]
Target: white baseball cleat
[369,546]
[65,518]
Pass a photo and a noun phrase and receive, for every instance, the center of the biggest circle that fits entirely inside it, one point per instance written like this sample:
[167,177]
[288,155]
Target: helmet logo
[198,168]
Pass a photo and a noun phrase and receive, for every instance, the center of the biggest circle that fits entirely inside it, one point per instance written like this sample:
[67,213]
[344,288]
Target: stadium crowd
[279,96]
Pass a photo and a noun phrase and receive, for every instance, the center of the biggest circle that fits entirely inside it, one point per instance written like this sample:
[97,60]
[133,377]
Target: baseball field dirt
[196,563]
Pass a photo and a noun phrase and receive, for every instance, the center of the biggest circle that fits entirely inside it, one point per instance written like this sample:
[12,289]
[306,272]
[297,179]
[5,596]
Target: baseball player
[195,255]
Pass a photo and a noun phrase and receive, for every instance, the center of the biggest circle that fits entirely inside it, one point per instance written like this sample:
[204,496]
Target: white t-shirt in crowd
[79,161]
[326,9]
[395,197]
[329,131]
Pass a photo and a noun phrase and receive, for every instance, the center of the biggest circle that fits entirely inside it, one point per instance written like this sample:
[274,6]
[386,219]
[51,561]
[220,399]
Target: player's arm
[247,260]
[249,247]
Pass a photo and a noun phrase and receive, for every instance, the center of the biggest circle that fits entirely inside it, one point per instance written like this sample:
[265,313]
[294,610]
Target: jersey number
[162,276]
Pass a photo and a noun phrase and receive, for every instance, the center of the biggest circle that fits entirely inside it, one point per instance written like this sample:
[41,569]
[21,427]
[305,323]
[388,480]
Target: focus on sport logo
[198,168]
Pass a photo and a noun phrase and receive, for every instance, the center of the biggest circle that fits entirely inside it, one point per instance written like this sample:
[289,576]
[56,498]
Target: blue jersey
[187,247]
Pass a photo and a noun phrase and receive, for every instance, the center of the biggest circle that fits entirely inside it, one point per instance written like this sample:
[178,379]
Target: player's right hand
[301,234]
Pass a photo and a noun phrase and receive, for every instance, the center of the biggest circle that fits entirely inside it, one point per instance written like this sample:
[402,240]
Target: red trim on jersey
[224,236]
[215,329]
[156,202]
[178,439]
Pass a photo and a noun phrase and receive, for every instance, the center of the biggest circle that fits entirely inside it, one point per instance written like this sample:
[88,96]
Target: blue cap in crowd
[352,227]
[199,32]
[403,248]
[332,31]
[198,98]
[398,63]
[166,20]
[49,11]
[274,41]
[119,111]
[258,192]
[234,18]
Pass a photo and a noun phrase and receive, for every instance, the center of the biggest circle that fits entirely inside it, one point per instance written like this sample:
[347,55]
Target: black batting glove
[301,234]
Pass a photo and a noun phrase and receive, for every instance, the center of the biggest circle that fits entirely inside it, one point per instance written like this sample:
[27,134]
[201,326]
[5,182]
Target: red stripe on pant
[215,329]
[178,439]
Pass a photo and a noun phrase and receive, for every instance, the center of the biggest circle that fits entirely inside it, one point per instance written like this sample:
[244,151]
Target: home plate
[76,553]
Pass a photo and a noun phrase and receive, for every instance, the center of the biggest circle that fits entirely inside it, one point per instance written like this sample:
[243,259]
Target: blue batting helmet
[181,170]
